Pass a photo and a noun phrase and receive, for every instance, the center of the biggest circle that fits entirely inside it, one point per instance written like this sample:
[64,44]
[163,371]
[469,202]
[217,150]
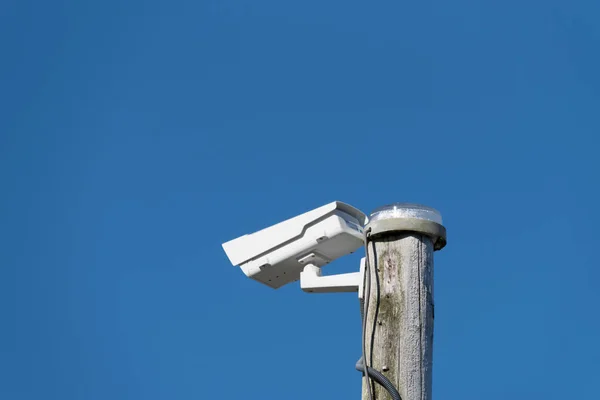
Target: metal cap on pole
[408,217]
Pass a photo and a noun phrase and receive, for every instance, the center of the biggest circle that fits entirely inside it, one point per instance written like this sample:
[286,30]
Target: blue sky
[136,137]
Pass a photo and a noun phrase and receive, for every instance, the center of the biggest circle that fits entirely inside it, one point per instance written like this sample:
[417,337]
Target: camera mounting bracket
[312,280]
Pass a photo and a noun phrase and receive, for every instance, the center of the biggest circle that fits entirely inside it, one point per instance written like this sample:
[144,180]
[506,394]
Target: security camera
[277,255]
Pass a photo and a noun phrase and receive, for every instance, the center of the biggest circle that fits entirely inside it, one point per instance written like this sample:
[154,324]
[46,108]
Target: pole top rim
[408,217]
[406,210]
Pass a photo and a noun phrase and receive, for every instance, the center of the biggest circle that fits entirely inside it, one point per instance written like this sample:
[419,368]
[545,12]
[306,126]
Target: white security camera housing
[277,255]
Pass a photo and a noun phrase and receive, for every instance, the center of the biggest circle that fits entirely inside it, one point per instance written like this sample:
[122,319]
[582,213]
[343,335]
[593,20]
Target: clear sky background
[137,136]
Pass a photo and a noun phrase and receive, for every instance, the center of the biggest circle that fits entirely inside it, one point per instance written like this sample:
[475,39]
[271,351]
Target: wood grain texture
[402,266]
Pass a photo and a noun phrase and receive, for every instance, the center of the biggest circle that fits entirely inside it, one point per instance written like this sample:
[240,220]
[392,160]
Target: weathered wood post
[401,239]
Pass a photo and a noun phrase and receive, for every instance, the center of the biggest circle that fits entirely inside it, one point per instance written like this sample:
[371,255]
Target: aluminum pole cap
[408,217]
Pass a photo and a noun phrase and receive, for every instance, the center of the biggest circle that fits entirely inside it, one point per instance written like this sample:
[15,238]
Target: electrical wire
[366,295]
[379,378]
[362,364]
[377,301]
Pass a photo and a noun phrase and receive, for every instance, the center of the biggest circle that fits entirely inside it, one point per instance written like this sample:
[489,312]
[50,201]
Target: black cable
[366,295]
[361,365]
[379,378]
[377,301]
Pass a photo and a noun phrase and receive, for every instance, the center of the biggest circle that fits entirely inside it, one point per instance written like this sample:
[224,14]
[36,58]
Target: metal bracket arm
[312,281]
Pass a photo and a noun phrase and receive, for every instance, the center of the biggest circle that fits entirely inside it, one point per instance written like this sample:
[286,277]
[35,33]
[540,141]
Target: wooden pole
[401,275]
